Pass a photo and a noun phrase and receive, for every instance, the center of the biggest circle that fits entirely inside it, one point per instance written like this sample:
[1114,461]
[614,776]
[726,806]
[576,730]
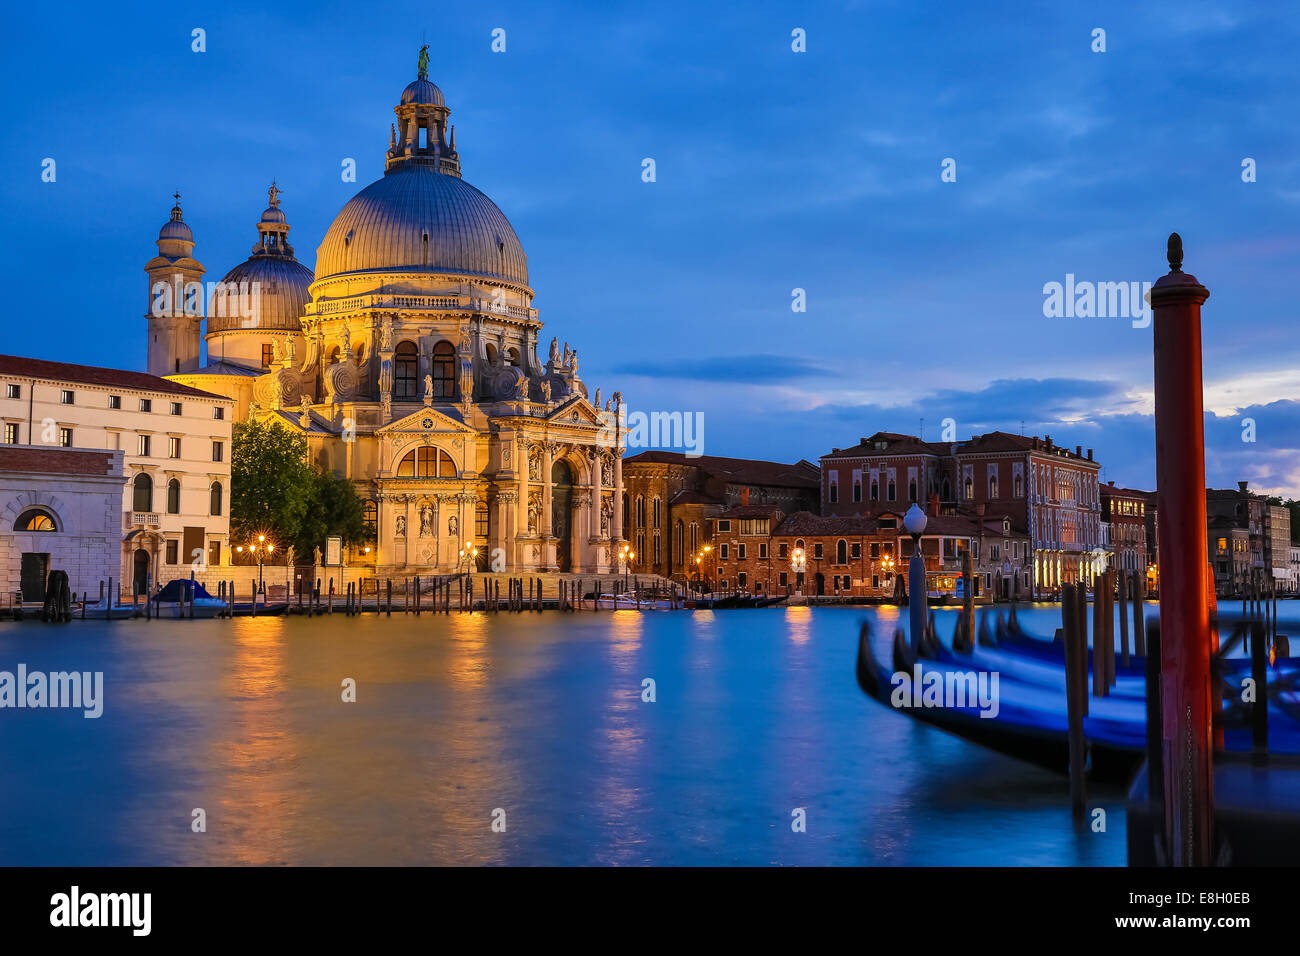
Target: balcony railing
[438,303]
[147,518]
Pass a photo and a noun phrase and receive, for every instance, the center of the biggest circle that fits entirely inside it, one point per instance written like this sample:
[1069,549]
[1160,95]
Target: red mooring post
[1185,690]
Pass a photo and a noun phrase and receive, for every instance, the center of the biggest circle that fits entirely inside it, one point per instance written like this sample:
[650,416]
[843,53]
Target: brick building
[1049,494]
[861,556]
[1123,512]
[669,500]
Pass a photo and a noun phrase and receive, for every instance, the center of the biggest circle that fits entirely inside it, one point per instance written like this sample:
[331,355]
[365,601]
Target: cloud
[751,369]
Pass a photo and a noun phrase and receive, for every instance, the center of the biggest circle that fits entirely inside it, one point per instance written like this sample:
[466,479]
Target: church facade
[410,362]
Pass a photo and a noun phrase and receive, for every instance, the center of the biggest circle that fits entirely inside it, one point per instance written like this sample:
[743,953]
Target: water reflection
[757,712]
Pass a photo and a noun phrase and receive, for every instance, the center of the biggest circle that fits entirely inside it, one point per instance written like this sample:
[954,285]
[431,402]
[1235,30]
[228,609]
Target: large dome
[416,219]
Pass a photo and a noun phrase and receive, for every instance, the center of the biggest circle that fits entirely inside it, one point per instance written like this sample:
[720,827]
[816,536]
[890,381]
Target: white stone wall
[88,511]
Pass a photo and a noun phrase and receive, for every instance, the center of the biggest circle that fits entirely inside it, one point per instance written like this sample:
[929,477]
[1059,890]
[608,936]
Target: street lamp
[468,554]
[798,565]
[626,555]
[261,550]
[915,521]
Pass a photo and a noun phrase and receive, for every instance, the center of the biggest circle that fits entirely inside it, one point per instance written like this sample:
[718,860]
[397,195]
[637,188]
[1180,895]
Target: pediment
[576,410]
[425,421]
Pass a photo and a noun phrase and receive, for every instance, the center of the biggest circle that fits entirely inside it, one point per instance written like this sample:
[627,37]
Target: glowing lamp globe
[914,521]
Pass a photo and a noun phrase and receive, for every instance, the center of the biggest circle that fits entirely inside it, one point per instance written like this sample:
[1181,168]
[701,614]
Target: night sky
[775,170]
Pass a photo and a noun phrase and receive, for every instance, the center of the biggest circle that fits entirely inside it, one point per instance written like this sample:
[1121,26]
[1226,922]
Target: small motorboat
[630,602]
[271,608]
[182,598]
[118,612]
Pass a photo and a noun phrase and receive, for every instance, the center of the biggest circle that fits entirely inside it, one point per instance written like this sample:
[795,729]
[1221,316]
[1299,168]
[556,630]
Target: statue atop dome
[422,65]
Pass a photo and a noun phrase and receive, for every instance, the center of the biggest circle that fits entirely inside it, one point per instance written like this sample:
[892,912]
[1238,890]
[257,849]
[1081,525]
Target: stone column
[581,557]
[506,513]
[616,519]
[548,454]
[593,521]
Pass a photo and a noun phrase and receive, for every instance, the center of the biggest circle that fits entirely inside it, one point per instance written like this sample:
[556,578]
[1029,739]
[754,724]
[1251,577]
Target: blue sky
[775,170]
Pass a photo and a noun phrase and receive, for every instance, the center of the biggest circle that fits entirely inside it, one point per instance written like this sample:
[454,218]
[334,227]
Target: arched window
[512,357]
[370,516]
[970,488]
[491,354]
[426,462]
[142,496]
[875,490]
[444,371]
[946,494]
[174,496]
[406,368]
[911,490]
[1020,486]
[640,511]
[215,495]
[892,491]
[36,519]
[993,486]
[841,552]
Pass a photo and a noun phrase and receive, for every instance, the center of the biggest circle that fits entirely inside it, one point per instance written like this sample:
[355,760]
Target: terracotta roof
[694,498]
[59,461]
[801,474]
[749,511]
[807,523]
[17,366]
[896,444]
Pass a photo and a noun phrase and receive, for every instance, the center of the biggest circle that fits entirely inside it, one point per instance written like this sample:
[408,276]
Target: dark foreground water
[539,715]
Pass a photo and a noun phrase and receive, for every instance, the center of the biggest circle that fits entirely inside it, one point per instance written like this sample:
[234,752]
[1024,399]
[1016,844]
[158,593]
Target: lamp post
[915,521]
[626,555]
[261,550]
[469,554]
[887,565]
[798,565]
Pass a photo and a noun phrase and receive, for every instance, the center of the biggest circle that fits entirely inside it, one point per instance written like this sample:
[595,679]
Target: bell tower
[175,305]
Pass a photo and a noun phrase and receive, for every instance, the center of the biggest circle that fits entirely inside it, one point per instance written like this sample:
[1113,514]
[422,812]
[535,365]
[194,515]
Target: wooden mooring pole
[1185,682]
[1076,693]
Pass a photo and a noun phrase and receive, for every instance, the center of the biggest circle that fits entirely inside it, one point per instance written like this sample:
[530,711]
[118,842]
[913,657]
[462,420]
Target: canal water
[536,721]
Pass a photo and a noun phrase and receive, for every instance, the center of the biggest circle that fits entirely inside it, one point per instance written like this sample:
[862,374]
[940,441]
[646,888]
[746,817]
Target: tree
[335,510]
[272,488]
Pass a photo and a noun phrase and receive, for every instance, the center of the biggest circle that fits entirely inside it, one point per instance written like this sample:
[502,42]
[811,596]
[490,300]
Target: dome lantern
[280,280]
[421,130]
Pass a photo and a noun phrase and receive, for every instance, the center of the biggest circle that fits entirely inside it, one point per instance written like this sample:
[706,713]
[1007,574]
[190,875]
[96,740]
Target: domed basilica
[409,360]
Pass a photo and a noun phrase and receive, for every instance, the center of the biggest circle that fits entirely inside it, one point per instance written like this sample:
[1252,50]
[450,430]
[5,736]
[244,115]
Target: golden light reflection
[798,623]
[622,736]
[257,748]
[467,666]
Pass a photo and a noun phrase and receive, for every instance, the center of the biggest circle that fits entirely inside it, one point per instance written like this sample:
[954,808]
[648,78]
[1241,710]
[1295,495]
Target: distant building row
[1032,514]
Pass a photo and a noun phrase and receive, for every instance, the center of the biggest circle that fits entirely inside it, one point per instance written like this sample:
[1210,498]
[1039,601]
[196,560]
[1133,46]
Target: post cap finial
[1175,252]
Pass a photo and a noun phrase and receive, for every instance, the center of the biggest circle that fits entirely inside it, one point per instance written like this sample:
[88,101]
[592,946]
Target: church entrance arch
[562,514]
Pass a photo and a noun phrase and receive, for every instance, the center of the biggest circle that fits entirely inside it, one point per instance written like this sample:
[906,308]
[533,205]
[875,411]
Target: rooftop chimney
[1078,451]
[1090,454]
[744,497]
[1242,485]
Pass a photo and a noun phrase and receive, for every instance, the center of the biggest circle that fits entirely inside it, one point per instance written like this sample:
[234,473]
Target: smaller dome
[176,229]
[273,214]
[423,92]
[282,296]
